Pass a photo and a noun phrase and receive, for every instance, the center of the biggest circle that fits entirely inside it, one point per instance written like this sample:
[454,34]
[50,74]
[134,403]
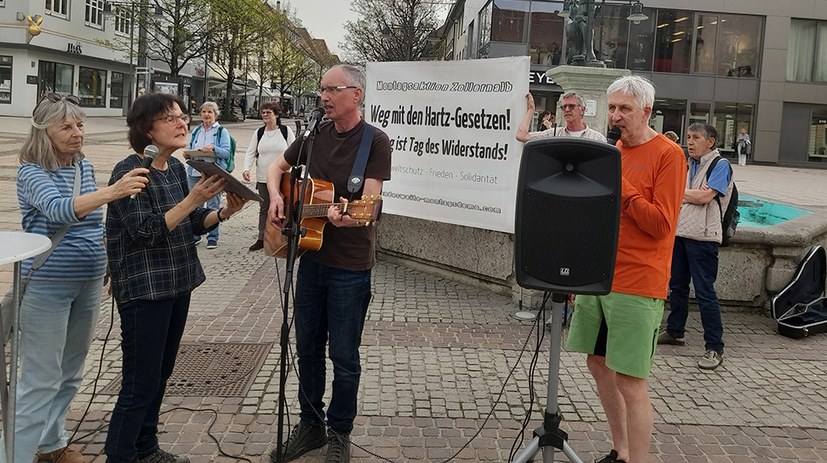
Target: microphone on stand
[313,123]
[149,155]
[613,136]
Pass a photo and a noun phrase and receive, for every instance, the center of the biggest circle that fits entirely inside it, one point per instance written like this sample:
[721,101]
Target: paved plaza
[444,363]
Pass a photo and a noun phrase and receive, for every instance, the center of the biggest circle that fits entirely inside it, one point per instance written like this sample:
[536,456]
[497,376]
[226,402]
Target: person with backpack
[214,141]
[709,190]
[266,145]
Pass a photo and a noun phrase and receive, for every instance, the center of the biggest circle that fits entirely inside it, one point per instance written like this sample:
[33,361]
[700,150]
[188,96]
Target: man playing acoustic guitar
[333,283]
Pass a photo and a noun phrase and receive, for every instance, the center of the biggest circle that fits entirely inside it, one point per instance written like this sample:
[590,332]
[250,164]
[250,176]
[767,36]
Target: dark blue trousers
[331,305]
[695,261]
[151,333]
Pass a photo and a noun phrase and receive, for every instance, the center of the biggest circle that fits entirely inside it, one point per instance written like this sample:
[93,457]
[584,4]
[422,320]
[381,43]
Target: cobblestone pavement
[445,363]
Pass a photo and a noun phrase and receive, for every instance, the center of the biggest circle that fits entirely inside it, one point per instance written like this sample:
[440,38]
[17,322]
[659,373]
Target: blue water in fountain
[757,212]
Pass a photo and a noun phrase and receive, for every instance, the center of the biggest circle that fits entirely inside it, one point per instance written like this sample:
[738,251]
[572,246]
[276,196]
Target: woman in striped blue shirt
[62,299]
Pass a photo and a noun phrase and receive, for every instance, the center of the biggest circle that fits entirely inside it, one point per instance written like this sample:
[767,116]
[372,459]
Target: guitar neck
[318,210]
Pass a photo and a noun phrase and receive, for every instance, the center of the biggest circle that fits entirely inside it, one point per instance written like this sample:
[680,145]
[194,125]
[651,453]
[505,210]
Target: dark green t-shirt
[332,160]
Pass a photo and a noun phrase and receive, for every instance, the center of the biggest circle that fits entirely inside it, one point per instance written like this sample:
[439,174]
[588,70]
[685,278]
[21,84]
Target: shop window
[739,38]
[546,33]
[116,90]
[92,87]
[730,119]
[669,114]
[640,51]
[5,79]
[55,77]
[508,21]
[611,35]
[57,8]
[817,143]
[94,13]
[807,51]
[706,37]
[673,41]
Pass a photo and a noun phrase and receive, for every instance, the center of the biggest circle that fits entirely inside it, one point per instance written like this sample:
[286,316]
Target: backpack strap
[712,165]
[283,129]
[357,176]
[259,134]
[195,133]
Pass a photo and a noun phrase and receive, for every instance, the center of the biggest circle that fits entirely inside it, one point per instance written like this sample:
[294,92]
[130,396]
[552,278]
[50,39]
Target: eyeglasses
[569,106]
[172,119]
[335,89]
[55,97]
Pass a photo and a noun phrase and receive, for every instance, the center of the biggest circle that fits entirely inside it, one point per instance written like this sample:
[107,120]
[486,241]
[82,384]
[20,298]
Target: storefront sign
[74,48]
[31,80]
[539,77]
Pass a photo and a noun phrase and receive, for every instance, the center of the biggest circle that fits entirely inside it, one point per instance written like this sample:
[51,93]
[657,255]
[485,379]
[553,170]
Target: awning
[223,85]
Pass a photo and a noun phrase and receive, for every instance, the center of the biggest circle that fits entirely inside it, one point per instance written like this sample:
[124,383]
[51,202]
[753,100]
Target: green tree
[392,30]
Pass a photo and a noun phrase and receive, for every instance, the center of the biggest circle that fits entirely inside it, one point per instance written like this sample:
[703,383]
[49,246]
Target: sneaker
[303,439]
[258,245]
[212,244]
[196,240]
[161,456]
[338,447]
[666,338]
[64,455]
[610,458]
[710,360]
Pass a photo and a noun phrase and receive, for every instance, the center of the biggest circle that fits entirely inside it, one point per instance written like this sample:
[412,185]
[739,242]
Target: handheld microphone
[149,155]
[613,136]
[313,123]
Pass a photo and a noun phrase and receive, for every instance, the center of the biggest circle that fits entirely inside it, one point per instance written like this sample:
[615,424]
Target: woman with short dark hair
[155,268]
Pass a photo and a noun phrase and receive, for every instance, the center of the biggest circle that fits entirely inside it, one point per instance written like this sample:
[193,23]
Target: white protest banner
[451,125]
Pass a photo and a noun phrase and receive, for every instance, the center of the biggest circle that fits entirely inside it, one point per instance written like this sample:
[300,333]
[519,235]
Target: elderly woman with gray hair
[58,198]
[213,140]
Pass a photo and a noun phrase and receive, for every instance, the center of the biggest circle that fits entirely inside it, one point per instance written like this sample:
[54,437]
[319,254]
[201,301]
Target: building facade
[741,65]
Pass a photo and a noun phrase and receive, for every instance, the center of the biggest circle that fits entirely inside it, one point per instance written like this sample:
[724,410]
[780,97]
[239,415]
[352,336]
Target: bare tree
[175,31]
[392,30]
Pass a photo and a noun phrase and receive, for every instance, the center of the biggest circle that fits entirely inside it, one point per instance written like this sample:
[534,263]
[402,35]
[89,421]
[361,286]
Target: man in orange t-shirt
[619,331]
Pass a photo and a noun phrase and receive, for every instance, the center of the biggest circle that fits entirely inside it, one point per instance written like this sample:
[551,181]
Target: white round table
[15,247]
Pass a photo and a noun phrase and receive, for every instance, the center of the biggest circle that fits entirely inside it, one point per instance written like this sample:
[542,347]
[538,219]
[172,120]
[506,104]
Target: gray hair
[575,95]
[38,148]
[639,87]
[708,131]
[353,75]
[212,105]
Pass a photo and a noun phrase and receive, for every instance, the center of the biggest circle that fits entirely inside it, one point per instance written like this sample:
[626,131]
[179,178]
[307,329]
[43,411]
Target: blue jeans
[213,203]
[696,261]
[331,304]
[57,322]
[151,333]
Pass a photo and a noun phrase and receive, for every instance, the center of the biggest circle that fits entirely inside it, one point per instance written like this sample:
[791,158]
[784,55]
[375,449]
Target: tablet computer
[233,185]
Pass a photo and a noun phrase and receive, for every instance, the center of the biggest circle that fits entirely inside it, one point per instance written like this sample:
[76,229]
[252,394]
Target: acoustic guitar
[318,197]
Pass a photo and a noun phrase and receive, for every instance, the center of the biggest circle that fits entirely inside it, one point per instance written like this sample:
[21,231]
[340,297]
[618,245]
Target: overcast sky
[324,19]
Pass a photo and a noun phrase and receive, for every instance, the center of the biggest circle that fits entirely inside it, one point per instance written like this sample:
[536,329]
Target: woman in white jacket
[266,145]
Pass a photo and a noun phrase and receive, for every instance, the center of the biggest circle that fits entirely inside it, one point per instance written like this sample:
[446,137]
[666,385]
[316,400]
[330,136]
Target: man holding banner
[619,331]
[574,108]
[333,283]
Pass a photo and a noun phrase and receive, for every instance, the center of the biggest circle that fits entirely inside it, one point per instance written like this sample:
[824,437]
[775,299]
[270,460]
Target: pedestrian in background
[213,140]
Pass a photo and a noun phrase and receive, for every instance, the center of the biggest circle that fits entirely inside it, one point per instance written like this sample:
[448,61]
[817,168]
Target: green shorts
[621,327]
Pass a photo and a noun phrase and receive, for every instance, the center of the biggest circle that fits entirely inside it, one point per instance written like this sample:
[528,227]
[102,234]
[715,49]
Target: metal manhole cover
[209,369]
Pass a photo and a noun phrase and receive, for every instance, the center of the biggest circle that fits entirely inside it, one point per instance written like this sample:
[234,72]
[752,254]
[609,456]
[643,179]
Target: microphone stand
[293,231]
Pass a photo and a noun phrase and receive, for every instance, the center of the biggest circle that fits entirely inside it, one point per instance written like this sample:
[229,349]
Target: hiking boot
[610,458]
[64,455]
[258,245]
[303,439]
[710,360]
[338,447]
[667,338]
[161,456]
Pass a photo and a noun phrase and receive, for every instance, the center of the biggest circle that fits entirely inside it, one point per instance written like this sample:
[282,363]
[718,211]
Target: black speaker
[568,215]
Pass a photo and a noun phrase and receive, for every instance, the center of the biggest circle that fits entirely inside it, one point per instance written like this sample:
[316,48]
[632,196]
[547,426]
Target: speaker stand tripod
[549,436]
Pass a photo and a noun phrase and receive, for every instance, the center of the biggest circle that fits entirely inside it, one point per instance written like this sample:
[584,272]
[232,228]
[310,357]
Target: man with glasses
[574,108]
[333,284]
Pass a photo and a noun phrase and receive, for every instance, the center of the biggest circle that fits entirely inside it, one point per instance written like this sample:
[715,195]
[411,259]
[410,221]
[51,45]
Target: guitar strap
[357,176]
